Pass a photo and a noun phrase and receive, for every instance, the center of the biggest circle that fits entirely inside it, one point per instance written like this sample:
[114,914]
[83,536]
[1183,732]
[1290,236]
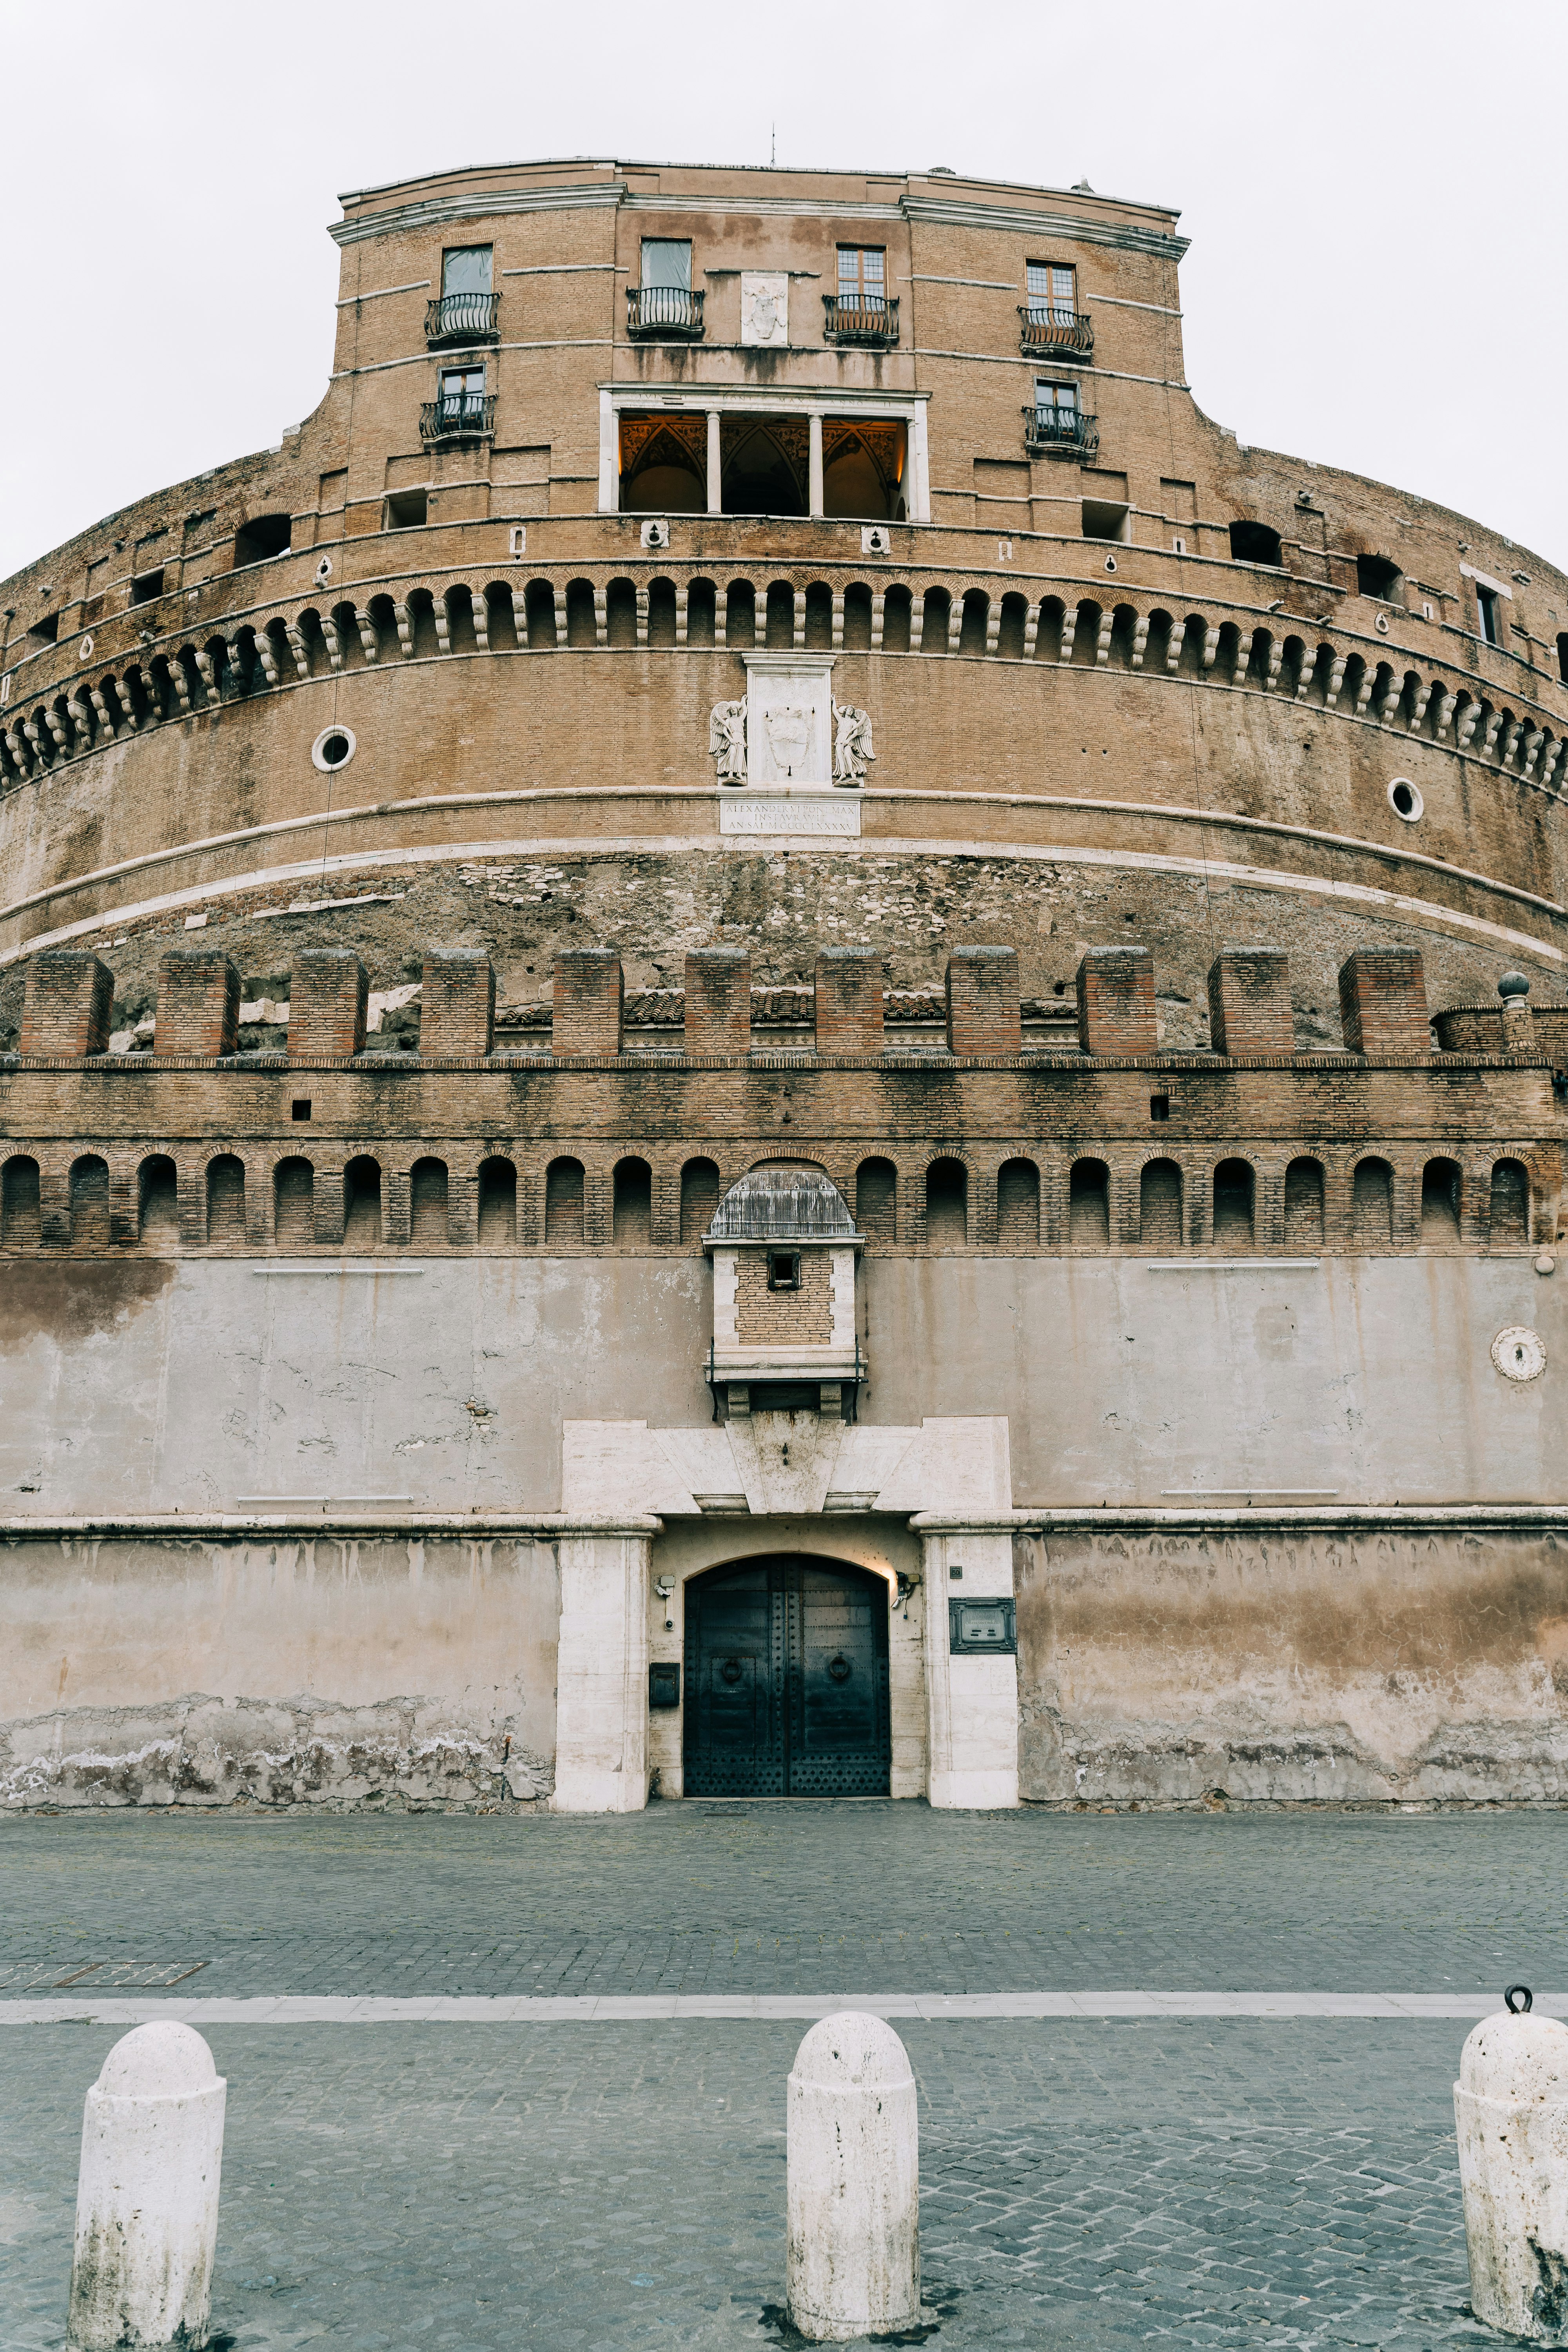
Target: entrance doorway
[786,1681]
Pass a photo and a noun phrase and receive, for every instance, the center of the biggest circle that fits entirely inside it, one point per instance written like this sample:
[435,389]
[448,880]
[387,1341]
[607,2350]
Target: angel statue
[727,741]
[851,744]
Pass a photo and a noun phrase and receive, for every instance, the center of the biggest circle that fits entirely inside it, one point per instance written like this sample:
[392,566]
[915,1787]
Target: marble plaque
[764,308]
[789,719]
[827,814]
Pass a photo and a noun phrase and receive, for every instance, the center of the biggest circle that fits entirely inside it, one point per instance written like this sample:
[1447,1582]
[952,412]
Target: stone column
[973,1699]
[601,1675]
[715,465]
[814,500]
[609,456]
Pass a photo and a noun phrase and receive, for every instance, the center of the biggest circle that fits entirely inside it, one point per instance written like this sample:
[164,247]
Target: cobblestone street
[1084,2184]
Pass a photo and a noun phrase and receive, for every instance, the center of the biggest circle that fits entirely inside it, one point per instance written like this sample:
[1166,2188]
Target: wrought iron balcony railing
[463,416]
[462,319]
[862,319]
[1054,432]
[663,311]
[1052,326]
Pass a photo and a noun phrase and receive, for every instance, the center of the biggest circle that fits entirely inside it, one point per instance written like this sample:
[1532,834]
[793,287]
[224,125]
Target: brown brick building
[758,881]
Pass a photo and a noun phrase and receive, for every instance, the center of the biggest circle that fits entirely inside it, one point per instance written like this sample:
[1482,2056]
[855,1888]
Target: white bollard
[146,2200]
[1511,2111]
[853,2266]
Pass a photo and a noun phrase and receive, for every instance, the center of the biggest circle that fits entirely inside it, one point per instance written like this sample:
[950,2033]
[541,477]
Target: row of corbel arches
[948,1199]
[430,619]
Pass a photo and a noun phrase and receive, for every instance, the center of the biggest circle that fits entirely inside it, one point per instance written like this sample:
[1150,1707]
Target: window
[46,629]
[783,1269]
[1487,617]
[462,396]
[147,586]
[1563,656]
[1376,576]
[261,537]
[406,510]
[1058,401]
[667,263]
[863,276]
[1253,542]
[1052,291]
[466,270]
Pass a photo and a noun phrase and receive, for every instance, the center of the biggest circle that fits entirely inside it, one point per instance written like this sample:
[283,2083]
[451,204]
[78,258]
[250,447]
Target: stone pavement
[542,2188]
[786,1898]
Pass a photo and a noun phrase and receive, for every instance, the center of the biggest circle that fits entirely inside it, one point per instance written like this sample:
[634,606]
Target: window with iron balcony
[466,310]
[461,410]
[1050,319]
[664,304]
[1055,424]
[862,311]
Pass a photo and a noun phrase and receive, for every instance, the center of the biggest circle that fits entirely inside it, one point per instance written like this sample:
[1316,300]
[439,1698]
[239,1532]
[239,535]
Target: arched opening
[857,618]
[1439,1203]
[819,617]
[90,1203]
[1253,542]
[947,1205]
[1010,632]
[293,1204]
[787,1680]
[699,1199]
[564,1201]
[540,606]
[158,1203]
[933,631]
[262,536]
[1377,577]
[1510,1203]
[497,1205]
[1234,1195]
[427,1204]
[621,613]
[501,616]
[763,466]
[1019,1205]
[226,1201]
[21,1221]
[741,616]
[897,606]
[633,1217]
[1159,1205]
[861,470]
[780,616]
[581,631]
[661,613]
[876,1200]
[1304,1204]
[663,465]
[972,627]
[1088,1205]
[701,613]
[362,1204]
[1372,1204]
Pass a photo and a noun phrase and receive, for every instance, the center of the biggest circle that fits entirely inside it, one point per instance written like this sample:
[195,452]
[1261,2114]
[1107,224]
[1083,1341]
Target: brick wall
[775,1319]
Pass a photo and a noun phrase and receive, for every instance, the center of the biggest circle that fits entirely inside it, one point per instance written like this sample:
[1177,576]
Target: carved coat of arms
[789,736]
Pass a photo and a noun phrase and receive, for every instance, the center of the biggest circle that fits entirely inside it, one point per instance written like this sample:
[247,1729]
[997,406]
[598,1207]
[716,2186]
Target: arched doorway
[787,1680]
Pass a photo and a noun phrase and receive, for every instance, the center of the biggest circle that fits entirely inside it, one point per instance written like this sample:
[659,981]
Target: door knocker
[838,1668]
[730,1672]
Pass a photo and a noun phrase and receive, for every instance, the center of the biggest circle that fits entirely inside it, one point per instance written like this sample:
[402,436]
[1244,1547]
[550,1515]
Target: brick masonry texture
[767,1317]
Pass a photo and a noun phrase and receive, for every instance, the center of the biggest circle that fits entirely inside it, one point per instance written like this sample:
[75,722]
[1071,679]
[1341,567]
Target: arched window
[158,1202]
[1159,1205]
[780,616]
[1018,1204]
[621,613]
[427,1203]
[362,1204]
[661,613]
[541,609]
[1253,542]
[947,1205]
[1304,1204]
[938,605]
[1377,577]
[21,1223]
[664,466]
[293,1204]
[1372,1204]
[857,618]
[739,615]
[501,616]
[1510,1203]
[226,1201]
[1233,1204]
[1088,1205]
[90,1203]
[1010,635]
[699,1197]
[564,1201]
[497,1205]
[876,1200]
[819,617]
[976,612]
[701,613]
[1439,1202]
[896,610]
[761,475]
[633,1224]
[262,536]
[580,627]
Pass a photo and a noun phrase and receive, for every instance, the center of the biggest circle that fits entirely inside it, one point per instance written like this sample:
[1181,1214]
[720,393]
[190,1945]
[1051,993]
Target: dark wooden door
[786,1681]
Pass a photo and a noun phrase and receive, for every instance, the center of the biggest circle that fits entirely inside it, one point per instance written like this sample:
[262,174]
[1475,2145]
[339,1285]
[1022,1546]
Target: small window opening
[1404,800]
[466,270]
[46,629]
[407,510]
[335,751]
[1253,542]
[147,586]
[783,1269]
[1376,576]
[1103,519]
[1159,1106]
[261,537]
[1488,616]
[299,1107]
[1563,657]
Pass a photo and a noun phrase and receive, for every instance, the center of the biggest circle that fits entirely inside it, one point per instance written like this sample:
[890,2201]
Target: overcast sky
[1375,195]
